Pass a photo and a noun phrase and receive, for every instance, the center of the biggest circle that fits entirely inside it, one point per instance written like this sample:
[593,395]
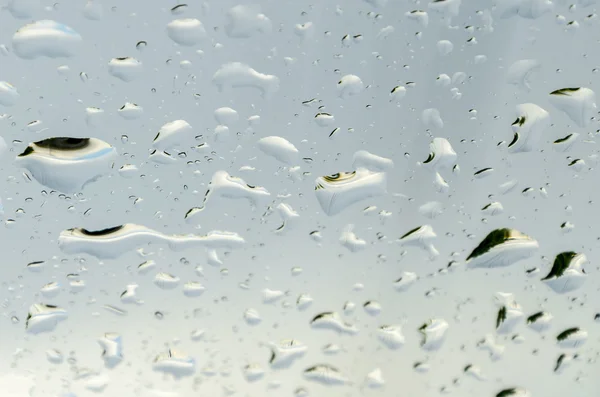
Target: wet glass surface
[286,198]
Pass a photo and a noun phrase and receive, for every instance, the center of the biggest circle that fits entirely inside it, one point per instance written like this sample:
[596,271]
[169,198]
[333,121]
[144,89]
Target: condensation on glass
[286,198]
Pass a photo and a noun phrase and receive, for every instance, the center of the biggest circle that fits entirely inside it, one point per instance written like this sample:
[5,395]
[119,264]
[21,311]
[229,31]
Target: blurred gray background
[167,92]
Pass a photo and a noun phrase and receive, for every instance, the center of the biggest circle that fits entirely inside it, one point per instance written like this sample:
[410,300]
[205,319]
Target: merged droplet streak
[116,241]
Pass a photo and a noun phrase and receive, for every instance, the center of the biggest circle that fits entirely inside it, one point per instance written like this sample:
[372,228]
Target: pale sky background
[463,298]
